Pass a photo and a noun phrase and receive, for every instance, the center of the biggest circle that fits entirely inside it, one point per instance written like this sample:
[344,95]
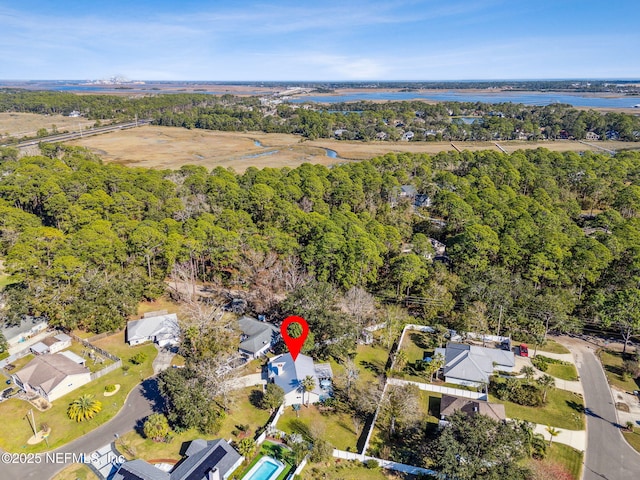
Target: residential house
[381,136]
[288,375]
[29,327]
[406,136]
[156,327]
[592,136]
[450,404]
[51,376]
[257,337]
[204,460]
[52,344]
[472,365]
[408,191]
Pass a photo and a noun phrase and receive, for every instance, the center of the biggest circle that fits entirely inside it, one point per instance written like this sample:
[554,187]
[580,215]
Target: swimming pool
[266,468]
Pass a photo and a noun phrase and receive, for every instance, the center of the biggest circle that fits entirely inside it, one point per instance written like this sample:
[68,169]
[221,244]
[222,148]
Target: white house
[29,327]
[161,329]
[51,376]
[471,365]
[288,375]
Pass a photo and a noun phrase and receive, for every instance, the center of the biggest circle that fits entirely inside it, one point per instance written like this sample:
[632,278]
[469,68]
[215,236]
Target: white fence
[271,425]
[388,464]
[299,468]
[440,389]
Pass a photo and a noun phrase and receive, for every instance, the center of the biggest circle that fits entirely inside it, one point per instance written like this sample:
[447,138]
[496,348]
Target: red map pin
[294,344]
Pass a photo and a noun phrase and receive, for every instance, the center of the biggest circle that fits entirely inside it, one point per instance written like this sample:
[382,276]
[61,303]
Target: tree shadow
[151,392]
[578,407]
[298,426]
[371,367]
[422,340]
[255,398]
[434,406]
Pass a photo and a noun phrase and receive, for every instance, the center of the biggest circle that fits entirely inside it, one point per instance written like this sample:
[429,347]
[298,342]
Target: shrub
[540,363]
[110,388]
[371,464]
[125,368]
[138,358]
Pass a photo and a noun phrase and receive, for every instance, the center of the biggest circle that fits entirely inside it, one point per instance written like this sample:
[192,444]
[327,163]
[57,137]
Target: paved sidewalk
[631,401]
[574,438]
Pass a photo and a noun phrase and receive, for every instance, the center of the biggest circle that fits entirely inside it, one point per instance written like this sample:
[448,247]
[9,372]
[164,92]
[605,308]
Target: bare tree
[401,405]
[360,304]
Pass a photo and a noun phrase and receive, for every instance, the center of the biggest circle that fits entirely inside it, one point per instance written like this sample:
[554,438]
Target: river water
[527,98]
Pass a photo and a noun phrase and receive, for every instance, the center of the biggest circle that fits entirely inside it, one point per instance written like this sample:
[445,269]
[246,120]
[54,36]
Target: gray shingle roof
[258,334]
[48,371]
[140,470]
[156,328]
[450,404]
[472,363]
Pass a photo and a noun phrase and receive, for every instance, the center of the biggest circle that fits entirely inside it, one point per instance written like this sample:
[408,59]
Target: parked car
[524,350]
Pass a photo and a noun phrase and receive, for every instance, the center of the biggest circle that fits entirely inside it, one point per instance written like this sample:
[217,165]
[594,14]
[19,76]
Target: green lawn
[338,469]
[565,372]
[16,430]
[21,362]
[5,280]
[76,472]
[612,364]
[562,410]
[415,344]
[569,457]
[371,359]
[335,428]
[241,412]
[551,346]
[161,303]
[633,438]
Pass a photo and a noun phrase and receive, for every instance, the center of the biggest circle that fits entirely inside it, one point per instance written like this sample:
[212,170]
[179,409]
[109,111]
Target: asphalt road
[608,454]
[142,401]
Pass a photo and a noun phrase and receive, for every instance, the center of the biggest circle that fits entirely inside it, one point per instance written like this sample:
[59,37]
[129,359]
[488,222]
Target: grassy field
[161,303]
[335,428]
[16,430]
[633,438]
[172,147]
[612,363]
[92,365]
[337,469]
[565,456]
[551,346]
[562,410]
[27,124]
[76,472]
[371,360]
[565,372]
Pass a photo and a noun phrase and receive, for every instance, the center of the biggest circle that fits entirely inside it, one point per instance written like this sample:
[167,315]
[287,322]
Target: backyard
[336,428]
[76,472]
[16,430]
[338,469]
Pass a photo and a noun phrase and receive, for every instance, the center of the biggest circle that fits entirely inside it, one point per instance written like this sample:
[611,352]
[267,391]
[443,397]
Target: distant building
[204,460]
[288,375]
[51,376]
[161,329]
[592,136]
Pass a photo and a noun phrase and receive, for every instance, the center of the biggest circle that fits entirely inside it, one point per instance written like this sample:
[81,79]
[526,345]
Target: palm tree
[546,382]
[307,384]
[553,432]
[528,372]
[400,360]
[247,447]
[84,408]
[156,427]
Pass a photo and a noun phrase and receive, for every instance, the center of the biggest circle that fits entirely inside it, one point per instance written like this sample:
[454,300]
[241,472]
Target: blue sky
[319,40]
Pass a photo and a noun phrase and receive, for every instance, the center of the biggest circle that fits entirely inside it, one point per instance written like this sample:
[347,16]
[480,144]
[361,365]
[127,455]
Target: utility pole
[499,320]
[33,425]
